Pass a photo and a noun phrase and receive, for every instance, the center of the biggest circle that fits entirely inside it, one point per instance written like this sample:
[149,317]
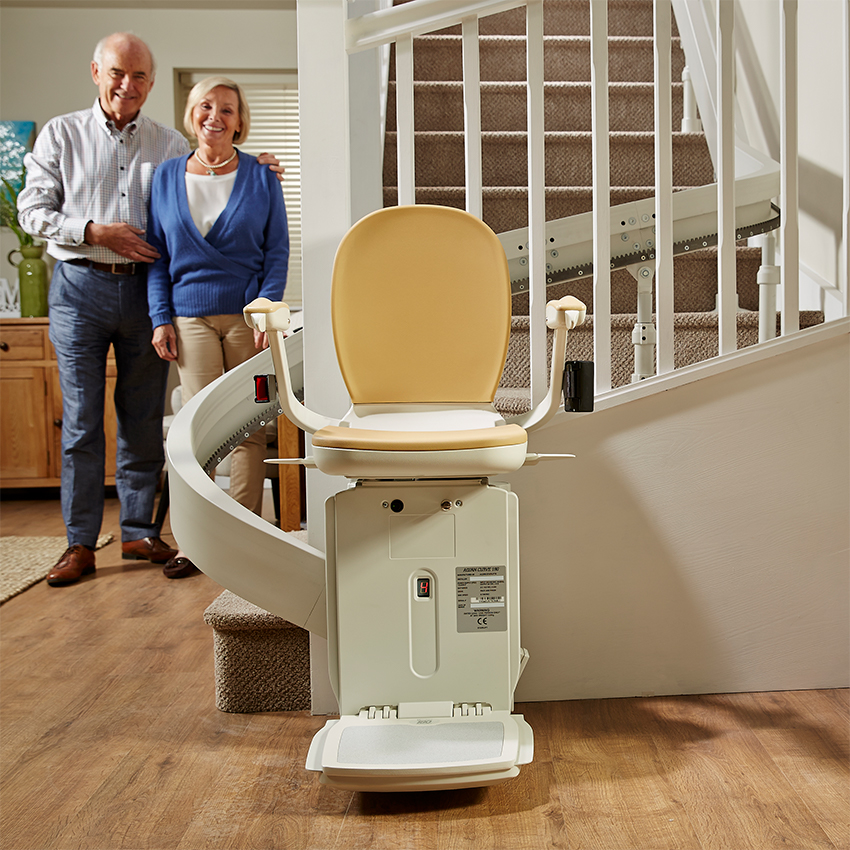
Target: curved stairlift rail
[569,250]
[246,554]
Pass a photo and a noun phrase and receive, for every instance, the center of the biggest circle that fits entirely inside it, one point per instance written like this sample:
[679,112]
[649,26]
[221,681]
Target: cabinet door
[24,446]
[56,421]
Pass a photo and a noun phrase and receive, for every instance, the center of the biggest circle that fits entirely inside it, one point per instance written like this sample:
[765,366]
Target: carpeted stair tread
[567,105]
[439,159]
[566,58]
[232,612]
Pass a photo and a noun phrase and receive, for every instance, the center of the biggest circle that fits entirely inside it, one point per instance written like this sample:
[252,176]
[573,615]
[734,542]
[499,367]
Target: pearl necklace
[211,168]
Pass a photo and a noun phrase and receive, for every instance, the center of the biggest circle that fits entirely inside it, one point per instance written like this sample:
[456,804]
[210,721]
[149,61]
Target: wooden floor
[111,739]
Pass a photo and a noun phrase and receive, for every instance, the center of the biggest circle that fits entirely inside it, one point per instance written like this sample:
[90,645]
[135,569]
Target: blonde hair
[202,89]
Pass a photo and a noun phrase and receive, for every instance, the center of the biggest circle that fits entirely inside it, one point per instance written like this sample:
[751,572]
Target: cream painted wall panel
[700,541]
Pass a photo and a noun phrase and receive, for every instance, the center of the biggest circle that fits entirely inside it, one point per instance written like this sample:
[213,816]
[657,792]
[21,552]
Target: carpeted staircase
[438,120]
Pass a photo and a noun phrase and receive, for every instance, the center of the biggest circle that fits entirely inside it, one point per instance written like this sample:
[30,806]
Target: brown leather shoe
[179,568]
[147,549]
[78,561]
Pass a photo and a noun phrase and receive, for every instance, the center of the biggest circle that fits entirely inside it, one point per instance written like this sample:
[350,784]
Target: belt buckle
[130,266]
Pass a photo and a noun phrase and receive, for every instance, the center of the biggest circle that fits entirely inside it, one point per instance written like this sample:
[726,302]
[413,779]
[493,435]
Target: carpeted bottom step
[694,340]
[262,662]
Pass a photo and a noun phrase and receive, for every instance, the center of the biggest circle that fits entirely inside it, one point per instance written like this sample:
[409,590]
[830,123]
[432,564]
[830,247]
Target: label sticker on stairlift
[481,599]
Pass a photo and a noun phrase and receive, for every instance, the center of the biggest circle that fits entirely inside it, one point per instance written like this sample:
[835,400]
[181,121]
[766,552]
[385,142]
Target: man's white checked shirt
[83,169]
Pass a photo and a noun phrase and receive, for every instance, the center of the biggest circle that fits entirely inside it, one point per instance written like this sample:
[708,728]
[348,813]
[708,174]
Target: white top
[208,197]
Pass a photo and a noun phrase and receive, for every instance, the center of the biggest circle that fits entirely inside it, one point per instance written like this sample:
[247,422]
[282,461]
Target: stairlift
[422,549]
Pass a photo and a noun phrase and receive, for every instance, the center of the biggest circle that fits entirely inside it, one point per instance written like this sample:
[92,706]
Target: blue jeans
[89,310]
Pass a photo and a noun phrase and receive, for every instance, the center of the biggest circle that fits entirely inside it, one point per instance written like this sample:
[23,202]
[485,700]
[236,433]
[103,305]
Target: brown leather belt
[112,268]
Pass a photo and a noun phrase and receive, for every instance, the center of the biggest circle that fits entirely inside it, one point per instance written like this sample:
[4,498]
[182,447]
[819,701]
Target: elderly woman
[217,218]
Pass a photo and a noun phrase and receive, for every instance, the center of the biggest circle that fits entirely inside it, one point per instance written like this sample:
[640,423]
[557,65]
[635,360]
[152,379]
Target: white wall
[821,131]
[699,542]
[45,55]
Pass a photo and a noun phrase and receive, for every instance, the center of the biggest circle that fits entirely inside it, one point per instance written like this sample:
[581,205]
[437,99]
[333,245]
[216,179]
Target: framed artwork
[16,139]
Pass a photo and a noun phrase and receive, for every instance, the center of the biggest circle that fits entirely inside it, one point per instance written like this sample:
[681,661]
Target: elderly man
[87,191]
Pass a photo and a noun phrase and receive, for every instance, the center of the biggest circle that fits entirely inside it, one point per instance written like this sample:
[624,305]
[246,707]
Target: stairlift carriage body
[422,549]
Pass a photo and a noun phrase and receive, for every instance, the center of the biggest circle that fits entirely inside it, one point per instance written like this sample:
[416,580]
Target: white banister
[415,18]
[690,118]
[536,201]
[789,177]
[768,280]
[727,298]
[601,194]
[404,120]
[472,117]
[663,242]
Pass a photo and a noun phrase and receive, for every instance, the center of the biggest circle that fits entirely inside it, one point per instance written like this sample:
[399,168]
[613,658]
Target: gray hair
[97,58]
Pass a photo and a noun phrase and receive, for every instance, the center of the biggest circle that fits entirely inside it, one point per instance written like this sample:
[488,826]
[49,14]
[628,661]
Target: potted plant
[32,270]
[9,209]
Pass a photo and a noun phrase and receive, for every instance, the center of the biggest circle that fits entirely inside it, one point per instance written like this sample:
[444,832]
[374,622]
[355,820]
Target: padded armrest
[568,313]
[562,316]
[272,317]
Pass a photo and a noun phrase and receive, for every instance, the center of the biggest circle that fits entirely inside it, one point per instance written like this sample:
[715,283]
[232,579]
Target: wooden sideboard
[31,407]
[31,419]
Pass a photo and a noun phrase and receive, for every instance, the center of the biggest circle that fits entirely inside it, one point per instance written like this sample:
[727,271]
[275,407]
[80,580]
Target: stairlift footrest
[421,753]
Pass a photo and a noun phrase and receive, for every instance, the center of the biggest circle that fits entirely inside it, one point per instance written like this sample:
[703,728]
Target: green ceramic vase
[32,280]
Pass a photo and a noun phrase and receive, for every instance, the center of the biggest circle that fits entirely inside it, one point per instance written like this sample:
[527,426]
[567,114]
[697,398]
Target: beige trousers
[206,348]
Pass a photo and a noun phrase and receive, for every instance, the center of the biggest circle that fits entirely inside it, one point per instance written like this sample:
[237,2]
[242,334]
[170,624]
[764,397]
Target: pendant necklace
[211,169]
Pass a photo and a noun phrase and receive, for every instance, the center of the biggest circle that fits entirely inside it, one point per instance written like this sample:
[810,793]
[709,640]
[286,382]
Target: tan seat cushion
[334,437]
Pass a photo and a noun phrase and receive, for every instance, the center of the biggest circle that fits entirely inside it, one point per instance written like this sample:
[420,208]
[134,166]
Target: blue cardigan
[244,255]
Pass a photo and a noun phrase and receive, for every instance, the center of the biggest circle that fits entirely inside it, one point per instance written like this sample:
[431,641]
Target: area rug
[24,561]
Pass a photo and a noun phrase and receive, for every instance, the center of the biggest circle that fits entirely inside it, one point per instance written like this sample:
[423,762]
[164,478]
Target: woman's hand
[165,341]
[261,340]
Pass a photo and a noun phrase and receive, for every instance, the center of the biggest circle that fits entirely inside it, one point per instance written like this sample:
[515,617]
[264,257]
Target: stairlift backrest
[421,308]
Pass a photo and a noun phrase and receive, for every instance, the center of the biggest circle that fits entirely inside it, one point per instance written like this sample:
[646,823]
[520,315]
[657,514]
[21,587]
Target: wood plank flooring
[110,739]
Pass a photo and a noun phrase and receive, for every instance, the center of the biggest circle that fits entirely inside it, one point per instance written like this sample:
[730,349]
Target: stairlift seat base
[458,463]
[368,453]
[423,636]
[419,441]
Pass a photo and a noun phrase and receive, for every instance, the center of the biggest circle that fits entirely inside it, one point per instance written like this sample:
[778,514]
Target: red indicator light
[423,587]
[261,388]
